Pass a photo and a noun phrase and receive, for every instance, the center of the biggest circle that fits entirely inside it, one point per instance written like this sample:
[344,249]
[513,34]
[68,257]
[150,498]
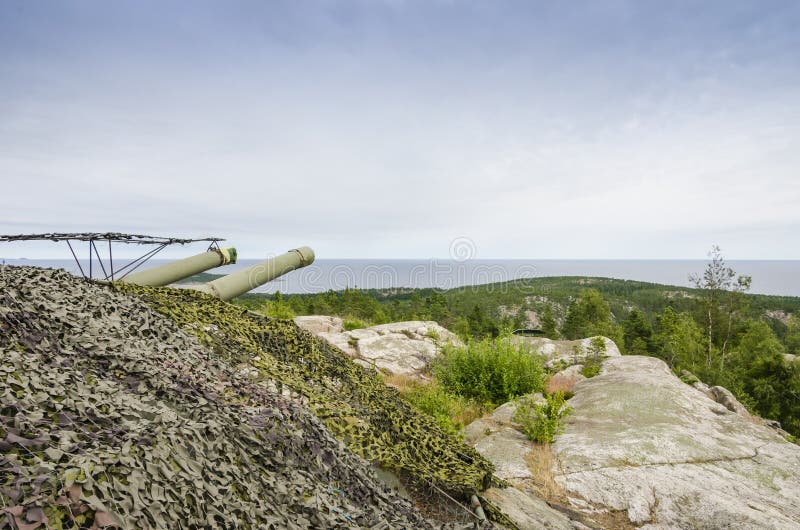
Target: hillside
[510,303]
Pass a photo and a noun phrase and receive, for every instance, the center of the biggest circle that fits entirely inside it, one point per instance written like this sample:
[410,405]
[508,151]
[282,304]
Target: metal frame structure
[93,238]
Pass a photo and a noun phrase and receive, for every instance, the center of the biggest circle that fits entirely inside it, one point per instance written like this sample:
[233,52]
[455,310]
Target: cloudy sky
[600,129]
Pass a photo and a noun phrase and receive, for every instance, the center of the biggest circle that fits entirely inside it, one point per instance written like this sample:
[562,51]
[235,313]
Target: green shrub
[542,422]
[597,347]
[592,359]
[450,411]
[349,324]
[277,309]
[433,335]
[490,370]
[590,369]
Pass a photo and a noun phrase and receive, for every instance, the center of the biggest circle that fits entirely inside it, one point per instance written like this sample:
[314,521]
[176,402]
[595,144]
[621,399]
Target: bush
[542,422]
[277,309]
[450,411]
[490,370]
[591,368]
[593,358]
[349,324]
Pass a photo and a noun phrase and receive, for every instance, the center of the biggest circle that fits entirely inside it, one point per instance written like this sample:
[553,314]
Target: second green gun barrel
[238,283]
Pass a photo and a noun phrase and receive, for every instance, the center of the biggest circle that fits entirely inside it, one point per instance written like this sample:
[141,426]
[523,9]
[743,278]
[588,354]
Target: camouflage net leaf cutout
[113,416]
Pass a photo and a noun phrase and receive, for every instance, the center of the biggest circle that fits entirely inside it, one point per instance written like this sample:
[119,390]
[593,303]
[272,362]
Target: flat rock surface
[569,351]
[317,324]
[640,440]
[506,449]
[400,348]
[527,512]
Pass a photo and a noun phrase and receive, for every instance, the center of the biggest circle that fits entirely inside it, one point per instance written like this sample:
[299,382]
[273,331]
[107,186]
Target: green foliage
[350,324]
[489,370]
[592,359]
[590,369]
[638,333]
[590,314]
[761,378]
[721,300]
[678,340]
[461,328]
[541,422]
[548,321]
[688,377]
[480,325]
[452,412]
[793,335]
[597,347]
[276,309]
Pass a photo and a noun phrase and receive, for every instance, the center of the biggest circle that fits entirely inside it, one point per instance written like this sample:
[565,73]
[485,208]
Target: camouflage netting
[113,415]
[355,404]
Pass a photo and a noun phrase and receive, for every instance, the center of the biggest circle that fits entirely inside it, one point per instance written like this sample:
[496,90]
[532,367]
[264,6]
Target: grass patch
[401,382]
[540,461]
[561,383]
[451,412]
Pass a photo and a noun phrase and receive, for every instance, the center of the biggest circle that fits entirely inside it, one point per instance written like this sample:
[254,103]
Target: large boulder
[643,446]
[565,351]
[641,440]
[398,348]
[725,397]
[317,324]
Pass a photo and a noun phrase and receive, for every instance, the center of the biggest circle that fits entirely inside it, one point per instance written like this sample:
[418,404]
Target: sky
[403,129]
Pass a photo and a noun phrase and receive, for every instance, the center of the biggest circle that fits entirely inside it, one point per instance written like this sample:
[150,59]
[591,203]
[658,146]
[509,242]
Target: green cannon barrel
[240,282]
[178,270]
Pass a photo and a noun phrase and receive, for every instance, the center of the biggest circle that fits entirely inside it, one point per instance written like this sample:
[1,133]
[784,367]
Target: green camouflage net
[111,415]
[354,403]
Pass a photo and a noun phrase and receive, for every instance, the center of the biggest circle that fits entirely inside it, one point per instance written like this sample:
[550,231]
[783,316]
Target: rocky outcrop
[643,446]
[317,324]
[640,440]
[398,348]
[565,351]
[724,397]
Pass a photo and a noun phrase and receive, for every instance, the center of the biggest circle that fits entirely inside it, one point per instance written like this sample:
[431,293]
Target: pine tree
[548,323]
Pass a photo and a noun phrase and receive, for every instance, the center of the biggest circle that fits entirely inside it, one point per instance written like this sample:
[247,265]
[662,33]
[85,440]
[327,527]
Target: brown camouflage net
[113,416]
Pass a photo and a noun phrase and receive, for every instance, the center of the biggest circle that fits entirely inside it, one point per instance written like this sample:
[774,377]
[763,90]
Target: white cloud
[380,133]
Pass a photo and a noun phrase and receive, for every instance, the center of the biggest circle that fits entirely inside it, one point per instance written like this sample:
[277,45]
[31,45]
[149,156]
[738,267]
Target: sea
[774,277]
